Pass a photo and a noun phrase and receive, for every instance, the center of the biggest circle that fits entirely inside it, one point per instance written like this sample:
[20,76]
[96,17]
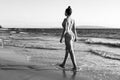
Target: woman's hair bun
[68,10]
[69,7]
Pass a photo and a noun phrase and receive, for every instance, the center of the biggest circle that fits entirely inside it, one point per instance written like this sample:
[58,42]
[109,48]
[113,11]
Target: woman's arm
[74,31]
[63,25]
[62,35]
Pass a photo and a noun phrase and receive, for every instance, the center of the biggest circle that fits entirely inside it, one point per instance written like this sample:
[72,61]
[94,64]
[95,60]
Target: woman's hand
[75,39]
[60,40]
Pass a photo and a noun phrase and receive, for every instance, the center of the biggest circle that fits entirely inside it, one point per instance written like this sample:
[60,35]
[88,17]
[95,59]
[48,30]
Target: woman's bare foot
[61,65]
[74,68]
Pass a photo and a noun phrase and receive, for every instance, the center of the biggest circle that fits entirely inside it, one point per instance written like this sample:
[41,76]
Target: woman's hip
[69,36]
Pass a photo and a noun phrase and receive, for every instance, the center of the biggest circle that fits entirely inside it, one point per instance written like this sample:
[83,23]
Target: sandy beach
[59,40]
[41,53]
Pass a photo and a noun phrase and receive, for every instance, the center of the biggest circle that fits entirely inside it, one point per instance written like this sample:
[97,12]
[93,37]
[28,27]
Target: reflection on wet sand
[72,77]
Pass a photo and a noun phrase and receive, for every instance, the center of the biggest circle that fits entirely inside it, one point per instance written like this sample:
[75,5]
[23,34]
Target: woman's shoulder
[65,19]
[72,20]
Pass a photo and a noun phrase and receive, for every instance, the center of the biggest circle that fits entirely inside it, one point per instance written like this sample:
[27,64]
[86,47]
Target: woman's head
[68,11]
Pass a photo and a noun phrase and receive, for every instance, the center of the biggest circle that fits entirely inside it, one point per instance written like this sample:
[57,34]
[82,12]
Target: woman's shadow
[72,77]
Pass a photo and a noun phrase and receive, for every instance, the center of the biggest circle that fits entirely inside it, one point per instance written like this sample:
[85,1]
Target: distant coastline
[59,27]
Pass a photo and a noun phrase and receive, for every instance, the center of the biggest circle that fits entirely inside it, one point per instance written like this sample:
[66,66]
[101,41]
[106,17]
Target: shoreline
[17,60]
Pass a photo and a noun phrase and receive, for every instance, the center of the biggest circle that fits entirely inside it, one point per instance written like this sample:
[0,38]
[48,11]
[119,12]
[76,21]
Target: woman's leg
[66,54]
[65,59]
[72,54]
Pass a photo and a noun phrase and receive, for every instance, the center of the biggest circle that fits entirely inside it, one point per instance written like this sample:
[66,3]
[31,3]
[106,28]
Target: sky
[50,13]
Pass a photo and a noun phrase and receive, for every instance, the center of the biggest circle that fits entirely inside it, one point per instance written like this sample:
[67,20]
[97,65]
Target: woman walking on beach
[70,35]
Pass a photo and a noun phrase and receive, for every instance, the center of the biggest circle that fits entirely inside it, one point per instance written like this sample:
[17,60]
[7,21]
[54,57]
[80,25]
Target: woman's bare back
[68,25]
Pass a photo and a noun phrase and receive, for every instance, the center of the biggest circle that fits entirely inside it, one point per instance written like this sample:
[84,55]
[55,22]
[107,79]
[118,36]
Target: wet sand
[42,53]
[19,67]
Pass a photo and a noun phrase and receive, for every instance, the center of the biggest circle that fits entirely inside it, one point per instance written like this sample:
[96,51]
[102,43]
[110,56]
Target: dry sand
[44,52]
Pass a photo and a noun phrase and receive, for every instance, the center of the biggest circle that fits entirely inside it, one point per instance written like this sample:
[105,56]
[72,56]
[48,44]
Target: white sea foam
[106,54]
[101,41]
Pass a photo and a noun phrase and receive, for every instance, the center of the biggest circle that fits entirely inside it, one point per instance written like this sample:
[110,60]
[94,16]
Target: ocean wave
[100,41]
[32,45]
[105,54]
